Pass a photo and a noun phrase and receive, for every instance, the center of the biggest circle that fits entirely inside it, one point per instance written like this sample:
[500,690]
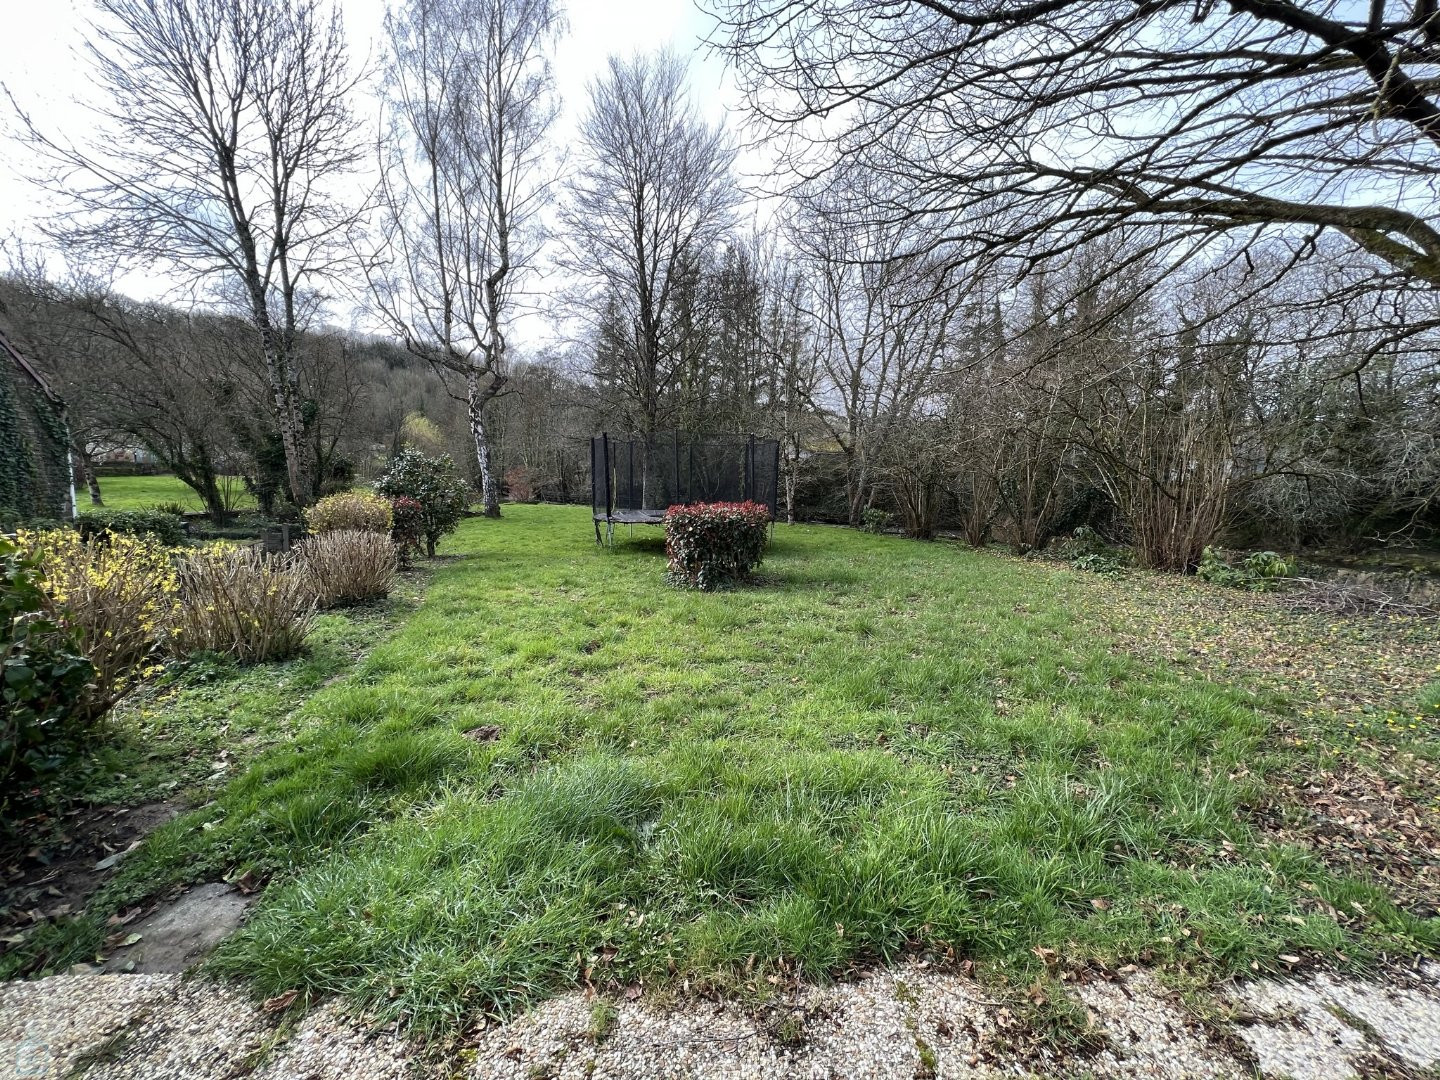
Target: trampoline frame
[754,455]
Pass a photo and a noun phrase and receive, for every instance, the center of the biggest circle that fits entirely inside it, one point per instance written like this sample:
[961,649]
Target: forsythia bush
[244,604]
[44,679]
[348,566]
[118,594]
[711,545]
[350,510]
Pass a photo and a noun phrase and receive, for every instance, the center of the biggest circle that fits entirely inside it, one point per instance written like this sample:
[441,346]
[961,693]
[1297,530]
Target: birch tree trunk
[477,395]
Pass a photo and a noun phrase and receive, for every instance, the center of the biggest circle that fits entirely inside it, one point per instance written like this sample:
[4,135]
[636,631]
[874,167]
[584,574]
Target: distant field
[133,492]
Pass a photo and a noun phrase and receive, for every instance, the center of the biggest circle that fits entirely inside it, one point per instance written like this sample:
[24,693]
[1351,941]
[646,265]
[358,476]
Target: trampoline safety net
[637,478]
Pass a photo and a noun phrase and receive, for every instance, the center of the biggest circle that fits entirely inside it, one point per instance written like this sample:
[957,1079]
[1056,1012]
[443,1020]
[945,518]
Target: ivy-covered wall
[34,449]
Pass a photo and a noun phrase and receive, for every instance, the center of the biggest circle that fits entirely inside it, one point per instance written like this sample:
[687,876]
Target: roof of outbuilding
[28,368]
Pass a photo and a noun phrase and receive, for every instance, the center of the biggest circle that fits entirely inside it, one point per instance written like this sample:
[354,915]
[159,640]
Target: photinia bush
[434,483]
[711,545]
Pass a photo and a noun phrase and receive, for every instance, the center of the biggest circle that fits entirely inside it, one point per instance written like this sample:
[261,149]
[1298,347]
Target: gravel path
[909,1023]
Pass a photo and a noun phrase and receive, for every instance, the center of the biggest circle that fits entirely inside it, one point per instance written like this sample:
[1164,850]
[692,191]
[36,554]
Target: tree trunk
[476,397]
[86,469]
[792,478]
[285,394]
[653,495]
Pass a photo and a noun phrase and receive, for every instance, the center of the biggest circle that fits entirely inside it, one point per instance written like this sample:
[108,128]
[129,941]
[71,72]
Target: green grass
[135,492]
[884,748]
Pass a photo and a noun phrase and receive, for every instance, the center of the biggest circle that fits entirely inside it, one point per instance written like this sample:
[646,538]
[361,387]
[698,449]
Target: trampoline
[634,479]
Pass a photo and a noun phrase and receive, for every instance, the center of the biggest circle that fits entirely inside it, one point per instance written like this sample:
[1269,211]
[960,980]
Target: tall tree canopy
[1051,123]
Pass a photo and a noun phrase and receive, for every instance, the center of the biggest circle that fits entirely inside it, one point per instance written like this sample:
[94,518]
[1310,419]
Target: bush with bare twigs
[239,602]
[348,566]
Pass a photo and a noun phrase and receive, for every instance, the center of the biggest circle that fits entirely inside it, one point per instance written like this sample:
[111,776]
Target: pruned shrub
[348,566]
[118,593]
[712,545]
[162,525]
[44,677]
[243,604]
[436,484]
[350,511]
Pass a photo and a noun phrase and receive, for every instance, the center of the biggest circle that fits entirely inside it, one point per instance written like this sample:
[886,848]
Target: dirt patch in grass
[53,877]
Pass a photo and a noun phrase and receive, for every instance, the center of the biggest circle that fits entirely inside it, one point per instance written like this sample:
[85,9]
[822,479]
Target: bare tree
[789,358]
[224,130]
[471,98]
[652,193]
[882,331]
[164,380]
[1051,123]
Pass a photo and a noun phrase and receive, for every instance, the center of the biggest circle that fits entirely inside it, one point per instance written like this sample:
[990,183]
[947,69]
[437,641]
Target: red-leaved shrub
[520,484]
[711,545]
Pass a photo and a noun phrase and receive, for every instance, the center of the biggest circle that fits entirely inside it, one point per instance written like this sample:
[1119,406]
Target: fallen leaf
[280,1001]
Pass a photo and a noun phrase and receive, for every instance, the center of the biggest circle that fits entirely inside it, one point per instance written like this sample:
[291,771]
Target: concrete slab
[179,935]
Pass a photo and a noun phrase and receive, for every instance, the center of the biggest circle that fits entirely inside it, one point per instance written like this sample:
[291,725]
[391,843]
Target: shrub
[348,566]
[118,594]
[1258,571]
[711,545]
[176,509]
[435,484]
[1098,563]
[520,484]
[408,528]
[350,510]
[238,602]
[44,679]
[164,526]
[875,520]
[1088,551]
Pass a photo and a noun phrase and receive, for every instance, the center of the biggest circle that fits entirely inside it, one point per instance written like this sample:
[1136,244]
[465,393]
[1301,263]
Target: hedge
[166,527]
[712,545]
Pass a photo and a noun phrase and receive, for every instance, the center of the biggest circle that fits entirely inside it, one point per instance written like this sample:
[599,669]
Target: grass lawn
[135,492]
[559,769]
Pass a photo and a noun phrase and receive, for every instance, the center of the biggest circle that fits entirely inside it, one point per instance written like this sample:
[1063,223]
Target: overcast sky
[43,65]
